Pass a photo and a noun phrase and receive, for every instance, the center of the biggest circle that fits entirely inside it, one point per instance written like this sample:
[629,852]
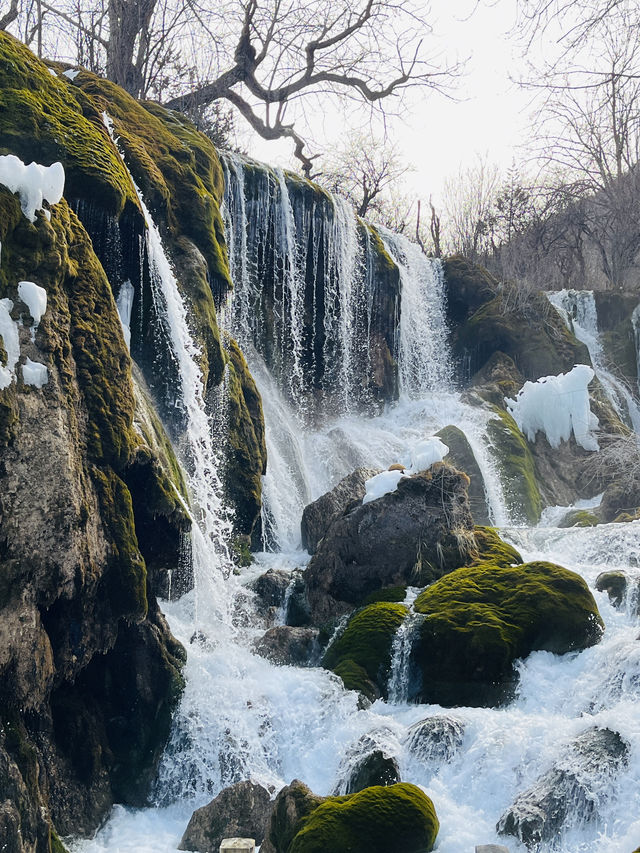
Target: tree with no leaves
[261,56]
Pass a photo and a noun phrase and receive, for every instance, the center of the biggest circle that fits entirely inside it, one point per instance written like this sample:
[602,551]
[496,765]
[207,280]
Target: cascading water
[242,717]
[578,309]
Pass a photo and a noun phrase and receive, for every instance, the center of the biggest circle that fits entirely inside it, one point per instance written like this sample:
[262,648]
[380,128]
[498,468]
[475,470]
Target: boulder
[570,793]
[376,820]
[579,518]
[375,768]
[482,618]
[410,536]
[361,654]
[242,810]
[461,456]
[620,498]
[288,646]
[615,583]
[318,516]
[272,587]
[435,740]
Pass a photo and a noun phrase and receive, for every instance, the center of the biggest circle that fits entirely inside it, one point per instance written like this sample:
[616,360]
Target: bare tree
[261,56]
[469,208]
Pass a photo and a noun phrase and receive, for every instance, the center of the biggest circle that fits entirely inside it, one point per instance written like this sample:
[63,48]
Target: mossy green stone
[376,820]
[355,677]
[516,467]
[389,593]
[367,639]
[481,618]
[56,845]
[491,549]
[579,518]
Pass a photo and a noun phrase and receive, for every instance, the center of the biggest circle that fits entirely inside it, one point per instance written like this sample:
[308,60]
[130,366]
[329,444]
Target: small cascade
[424,354]
[578,310]
[635,322]
[212,526]
[398,688]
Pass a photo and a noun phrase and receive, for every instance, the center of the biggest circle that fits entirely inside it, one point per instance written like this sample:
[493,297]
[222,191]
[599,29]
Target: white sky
[437,136]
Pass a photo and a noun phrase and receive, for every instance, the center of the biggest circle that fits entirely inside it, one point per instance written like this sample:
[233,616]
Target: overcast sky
[489,116]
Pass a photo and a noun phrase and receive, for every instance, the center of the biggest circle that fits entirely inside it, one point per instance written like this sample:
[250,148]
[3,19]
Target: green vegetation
[481,618]
[389,593]
[579,518]
[355,677]
[492,550]
[515,463]
[376,820]
[366,643]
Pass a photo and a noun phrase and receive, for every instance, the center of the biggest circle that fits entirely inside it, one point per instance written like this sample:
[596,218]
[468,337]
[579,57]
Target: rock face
[240,811]
[570,793]
[480,619]
[616,584]
[318,516]
[375,820]
[410,536]
[461,456]
[286,645]
[376,768]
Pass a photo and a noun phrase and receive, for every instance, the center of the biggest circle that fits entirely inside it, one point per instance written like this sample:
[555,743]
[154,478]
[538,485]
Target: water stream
[242,717]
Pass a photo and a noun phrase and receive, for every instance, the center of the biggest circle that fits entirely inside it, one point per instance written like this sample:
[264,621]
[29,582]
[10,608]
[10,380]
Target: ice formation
[557,406]
[10,341]
[35,298]
[124,304]
[34,373]
[35,183]
[420,458]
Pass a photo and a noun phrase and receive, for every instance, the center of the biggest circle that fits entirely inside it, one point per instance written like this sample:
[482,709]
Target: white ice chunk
[382,484]
[423,455]
[557,406]
[53,72]
[34,373]
[10,342]
[35,298]
[72,73]
[34,183]
[124,304]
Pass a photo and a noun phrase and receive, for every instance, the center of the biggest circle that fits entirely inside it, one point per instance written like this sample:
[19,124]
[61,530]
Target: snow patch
[557,406]
[34,373]
[35,183]
[420,458]
[71,73]
[53,72]
[10,341]
[35,298]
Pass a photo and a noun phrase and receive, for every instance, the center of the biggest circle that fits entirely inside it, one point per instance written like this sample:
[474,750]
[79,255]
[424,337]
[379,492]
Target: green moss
[579,518]
[367,639]
[127,580]
[55,845]
[376,820]
[491,549]
[480,619]
[41,120]
[516,466]
[389,593]
[354,677]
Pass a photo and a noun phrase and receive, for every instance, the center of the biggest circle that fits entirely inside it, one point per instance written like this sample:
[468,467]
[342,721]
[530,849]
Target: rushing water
[242,717]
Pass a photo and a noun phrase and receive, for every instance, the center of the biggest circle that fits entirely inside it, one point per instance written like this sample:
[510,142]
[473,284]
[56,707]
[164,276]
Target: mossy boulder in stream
[516,468]
[362,653]
[482,618]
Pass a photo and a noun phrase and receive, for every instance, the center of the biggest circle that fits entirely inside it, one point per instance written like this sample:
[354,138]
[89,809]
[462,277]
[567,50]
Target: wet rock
[435,740]
[579,518]
[243,811]
[272,587]
[318,516]
[294,802]
[411,536]
[461,457]
[376,768]
[620,498]
[615,584]
[289,646]
[571,792]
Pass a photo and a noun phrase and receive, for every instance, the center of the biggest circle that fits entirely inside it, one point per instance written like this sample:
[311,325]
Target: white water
[578,309]
[242,717]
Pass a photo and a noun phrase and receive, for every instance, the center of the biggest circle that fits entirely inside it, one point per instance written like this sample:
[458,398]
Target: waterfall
[398,688]
[578,310]
[212,527]
[635,322]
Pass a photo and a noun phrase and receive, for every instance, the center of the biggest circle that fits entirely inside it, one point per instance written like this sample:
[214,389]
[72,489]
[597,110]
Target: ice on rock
[35,298]
[34,373]
[10,341]
[124,304]
[420,458]
[35,183]
[557,406]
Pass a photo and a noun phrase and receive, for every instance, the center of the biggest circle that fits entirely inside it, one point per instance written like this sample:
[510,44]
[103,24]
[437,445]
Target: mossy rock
[390,593]
[516,467]
[461,456]
[355,677]
[42,120]
[366,643]
[468,288]
[579,518]
[491,549]
[376,820]
[482,618]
